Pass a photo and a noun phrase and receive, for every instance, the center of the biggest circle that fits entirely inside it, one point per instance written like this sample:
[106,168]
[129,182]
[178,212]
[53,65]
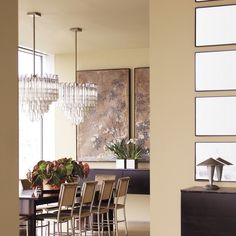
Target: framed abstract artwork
[142,108]
[111,119]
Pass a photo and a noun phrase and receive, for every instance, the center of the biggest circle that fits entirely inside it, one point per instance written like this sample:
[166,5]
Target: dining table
[30,200]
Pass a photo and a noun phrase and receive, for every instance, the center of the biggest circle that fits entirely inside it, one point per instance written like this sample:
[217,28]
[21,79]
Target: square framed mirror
[215,70]
[215,116]
[215,25]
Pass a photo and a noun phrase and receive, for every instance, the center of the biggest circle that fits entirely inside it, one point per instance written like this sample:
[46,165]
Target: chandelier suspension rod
[76,30]
[34,45]
[76,58]
[34,14]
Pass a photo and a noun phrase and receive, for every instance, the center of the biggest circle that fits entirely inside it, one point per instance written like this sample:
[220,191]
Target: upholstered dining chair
[65,209]
[83,211]
[119,203]
[102,208]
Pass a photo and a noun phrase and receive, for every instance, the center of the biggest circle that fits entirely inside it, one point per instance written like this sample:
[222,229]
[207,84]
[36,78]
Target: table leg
[32,226]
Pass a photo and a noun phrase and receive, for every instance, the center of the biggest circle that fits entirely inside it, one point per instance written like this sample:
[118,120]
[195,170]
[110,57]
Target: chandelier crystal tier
[77,99]
[37,92]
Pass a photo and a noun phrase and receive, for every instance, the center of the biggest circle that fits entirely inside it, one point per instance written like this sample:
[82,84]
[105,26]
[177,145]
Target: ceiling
[107,24]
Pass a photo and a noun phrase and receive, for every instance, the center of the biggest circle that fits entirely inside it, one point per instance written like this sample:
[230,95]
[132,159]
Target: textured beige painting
[142,108]
[110,121]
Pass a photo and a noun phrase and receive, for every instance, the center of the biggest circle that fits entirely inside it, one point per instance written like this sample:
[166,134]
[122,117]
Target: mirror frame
[206,1]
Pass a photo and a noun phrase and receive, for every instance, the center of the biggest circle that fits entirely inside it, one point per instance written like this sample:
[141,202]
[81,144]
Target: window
[36,139]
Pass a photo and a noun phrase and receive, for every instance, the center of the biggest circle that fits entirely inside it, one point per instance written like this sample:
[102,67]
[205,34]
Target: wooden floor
[136,229]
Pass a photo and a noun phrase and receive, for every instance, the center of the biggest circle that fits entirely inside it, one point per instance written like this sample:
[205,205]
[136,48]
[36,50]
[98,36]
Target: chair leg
[98,223]
[91,223]
[108,224]
[58,228]
[116,222]
[54,228]
[102,224]
[72,227]
[80,230]
[85,225]
[126,228]
[27,227]
[48,228]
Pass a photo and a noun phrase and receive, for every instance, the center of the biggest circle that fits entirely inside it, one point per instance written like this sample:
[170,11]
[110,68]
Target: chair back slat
[122,186]
[67,194]
[106,190]
[26,184]
[88,192]
[100,177]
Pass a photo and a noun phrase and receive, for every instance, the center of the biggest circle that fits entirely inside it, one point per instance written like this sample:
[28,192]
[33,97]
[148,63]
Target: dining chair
[83,210]
[100,177]
[26,185]
[119,203]
[65,209]
[102,208]
[23,225]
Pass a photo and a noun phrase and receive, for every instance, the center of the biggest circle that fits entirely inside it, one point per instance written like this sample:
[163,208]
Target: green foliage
[126,149]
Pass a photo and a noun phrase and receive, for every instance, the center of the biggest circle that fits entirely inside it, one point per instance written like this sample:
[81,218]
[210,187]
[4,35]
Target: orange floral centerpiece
[51,174]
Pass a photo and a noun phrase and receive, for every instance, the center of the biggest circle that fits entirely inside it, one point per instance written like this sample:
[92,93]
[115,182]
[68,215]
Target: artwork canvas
[142,108]
[110,120]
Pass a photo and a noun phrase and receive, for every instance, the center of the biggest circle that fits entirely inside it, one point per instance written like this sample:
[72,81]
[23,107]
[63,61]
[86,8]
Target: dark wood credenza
[139,178]
[208,213]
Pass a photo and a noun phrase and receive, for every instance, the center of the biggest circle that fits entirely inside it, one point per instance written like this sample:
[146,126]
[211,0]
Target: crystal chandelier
[37,92]
[77,99]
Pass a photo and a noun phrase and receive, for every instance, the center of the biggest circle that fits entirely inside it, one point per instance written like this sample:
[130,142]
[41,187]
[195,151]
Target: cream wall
[172,110]
[65,142]
[8,119]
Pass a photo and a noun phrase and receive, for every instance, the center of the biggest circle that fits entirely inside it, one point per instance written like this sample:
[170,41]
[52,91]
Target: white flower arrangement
[126,149]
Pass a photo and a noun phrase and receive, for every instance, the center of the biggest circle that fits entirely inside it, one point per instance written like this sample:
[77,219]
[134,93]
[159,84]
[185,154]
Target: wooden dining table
[28,202]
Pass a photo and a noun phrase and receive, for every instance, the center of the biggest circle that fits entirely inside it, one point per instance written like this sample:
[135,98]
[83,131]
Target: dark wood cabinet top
[116,169]
[203,190]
